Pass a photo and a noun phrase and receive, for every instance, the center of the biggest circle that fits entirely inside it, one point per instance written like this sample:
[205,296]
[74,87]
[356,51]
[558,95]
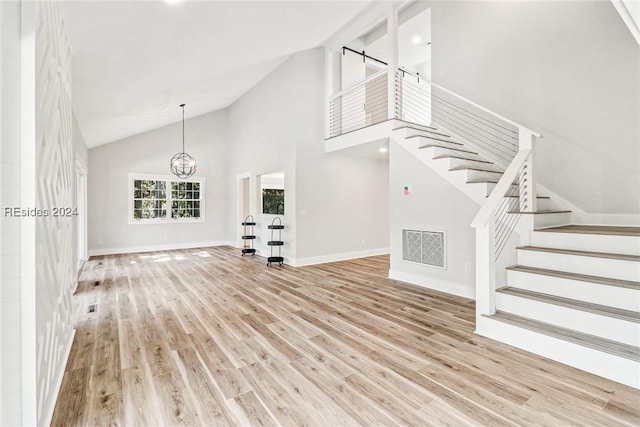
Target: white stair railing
[363,104]
[423,102]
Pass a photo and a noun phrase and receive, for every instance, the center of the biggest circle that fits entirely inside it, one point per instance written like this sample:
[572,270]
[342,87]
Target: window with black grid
[162,198]
[185,199]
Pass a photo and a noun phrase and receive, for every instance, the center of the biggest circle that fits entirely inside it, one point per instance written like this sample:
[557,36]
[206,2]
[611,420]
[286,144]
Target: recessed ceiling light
[383,149]
[173,1]
[416,39]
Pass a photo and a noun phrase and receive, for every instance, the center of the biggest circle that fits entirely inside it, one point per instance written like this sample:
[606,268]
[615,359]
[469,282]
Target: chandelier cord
[182,134]
[182,164]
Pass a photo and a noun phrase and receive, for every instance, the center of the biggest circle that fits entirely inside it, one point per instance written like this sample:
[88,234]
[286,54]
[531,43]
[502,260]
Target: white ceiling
[134,62]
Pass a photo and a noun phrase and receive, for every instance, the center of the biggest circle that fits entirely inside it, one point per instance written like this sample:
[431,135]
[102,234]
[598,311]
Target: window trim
[131,177]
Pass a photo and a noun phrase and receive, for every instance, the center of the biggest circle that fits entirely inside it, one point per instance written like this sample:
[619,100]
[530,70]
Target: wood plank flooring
[206,337]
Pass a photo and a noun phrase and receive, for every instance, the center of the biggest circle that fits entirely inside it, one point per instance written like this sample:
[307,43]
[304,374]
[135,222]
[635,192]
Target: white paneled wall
[10,342]
[55,183]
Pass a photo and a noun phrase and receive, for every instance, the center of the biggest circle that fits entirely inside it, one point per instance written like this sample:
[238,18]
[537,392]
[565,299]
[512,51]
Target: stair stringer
[458,179]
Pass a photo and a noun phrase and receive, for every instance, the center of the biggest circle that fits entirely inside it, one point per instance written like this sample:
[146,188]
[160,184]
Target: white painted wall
[55,260]
[433,205]
[570,70]
[10,298]
[79,144]
[342,201]
[332,204]
[206,138]
[37,256]
[263,131]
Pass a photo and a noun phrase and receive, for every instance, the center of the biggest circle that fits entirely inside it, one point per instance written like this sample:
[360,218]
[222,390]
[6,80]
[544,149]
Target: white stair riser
[629,245]
[612,296]
[606,365]
[590,323]
[551,220]
[425,133]
[473,175]
[591,266]
[543,204]
[443,149]
[464,163]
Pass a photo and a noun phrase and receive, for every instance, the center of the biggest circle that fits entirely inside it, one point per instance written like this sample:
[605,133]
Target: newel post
[528,195]
[485,269]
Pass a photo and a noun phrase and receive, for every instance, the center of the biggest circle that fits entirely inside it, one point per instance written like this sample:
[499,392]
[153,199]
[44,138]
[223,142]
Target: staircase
[574,296]
[567,292]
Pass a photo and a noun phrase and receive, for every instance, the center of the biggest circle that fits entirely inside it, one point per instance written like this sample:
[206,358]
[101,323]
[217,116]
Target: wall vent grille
[424,247]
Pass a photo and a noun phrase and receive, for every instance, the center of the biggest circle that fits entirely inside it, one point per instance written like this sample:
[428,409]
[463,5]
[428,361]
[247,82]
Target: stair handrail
[422,80]
[486,212]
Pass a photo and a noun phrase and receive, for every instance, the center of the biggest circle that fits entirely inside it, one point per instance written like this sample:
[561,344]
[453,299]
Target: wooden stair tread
[461,150]
[517,197]
[464,168]
[433,131]
[603,310]
[595,229]
[623,257]
[415,126]
[435,139]
[451,156]
[630,284]
[591,341]
[481,181]
[542,212]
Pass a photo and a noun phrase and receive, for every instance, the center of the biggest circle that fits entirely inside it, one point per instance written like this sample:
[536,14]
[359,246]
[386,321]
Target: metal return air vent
[424,247]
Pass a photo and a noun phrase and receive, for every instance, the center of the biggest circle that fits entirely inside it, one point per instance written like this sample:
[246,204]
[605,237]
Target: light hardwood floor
[206,337]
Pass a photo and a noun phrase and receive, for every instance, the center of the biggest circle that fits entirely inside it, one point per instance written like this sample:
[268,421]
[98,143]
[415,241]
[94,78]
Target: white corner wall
[10,298]
[570,70]
[206,138]
[432,205]
[38,254]
[55,260]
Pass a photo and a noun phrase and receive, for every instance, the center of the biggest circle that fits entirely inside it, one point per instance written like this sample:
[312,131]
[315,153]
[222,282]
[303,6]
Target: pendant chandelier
[182,164]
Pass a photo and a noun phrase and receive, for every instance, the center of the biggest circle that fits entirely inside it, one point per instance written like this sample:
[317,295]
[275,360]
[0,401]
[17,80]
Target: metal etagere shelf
[249,235]
[276,241]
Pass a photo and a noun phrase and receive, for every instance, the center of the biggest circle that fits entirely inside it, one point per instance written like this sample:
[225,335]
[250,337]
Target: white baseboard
[435,284]
[301,262]
[153,248]
[58,382]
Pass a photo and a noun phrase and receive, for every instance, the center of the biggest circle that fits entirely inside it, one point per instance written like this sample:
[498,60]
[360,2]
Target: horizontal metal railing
[426,103]
[507,214]
[361,105]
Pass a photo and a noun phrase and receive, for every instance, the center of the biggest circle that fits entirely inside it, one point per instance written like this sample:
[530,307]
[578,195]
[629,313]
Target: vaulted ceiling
[134,62]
